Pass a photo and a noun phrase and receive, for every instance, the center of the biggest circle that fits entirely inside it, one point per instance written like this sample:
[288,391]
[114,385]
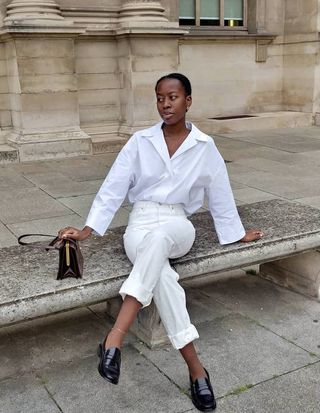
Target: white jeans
[155,233]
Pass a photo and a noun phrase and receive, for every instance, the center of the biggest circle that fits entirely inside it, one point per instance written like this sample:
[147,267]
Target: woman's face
[172,102]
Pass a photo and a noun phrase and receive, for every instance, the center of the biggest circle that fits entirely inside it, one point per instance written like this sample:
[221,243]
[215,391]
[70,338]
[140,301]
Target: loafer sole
[202,408]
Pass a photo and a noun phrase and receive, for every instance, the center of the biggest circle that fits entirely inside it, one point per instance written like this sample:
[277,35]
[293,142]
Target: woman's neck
[175,132]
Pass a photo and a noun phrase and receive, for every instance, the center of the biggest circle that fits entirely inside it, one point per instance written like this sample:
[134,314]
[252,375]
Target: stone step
[8,154]
[255,121]
[107,143]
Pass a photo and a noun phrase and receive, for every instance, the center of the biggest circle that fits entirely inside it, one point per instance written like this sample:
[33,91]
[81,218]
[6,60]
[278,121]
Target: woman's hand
[252,235]
[74,233]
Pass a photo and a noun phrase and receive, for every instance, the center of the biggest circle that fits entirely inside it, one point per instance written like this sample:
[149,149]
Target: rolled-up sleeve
[223,209]
[113,190]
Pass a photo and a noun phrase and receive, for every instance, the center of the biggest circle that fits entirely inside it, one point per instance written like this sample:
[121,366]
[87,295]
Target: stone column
[33,11]
[148,48]
[142,11]
[43,91]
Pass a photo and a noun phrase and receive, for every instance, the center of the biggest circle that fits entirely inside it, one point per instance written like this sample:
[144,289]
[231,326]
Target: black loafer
[202,394]
[110,362]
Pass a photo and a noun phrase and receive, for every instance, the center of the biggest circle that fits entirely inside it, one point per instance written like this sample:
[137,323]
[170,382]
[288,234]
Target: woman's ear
[189,102]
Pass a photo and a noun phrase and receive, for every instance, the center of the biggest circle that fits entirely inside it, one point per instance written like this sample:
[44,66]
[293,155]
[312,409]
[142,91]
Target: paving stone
[284,312]
[236,185]
[250,195]
[256,151]
[80,204]
[29,204]
[120,219]
[46,226]
[203,308]
[52,340]
[9,179]
[288,139]
[236,351]
[284,186]
[295,392]
[313,201]
[37,167]
[83,169]
[7,239]
[25,394]
[142,388]
[59,185]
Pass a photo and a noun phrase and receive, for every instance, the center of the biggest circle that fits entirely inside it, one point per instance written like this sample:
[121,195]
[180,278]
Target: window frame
[221,26]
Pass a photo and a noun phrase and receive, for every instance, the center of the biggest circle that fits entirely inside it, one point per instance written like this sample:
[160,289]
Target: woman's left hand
[252,235]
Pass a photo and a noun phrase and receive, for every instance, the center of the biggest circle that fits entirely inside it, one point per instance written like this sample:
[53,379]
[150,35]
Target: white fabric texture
[144,171]
[154,234]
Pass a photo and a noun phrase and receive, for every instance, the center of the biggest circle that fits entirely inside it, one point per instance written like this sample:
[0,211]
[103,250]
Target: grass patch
[241,389]
[313,354]
[251,272]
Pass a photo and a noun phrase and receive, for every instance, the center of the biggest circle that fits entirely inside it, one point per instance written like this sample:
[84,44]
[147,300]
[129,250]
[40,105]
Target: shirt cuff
[98,223]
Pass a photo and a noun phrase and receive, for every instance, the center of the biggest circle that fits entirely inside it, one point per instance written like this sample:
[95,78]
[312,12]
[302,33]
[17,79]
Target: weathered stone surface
[289,228]
[82,389]
[6,237]
[223,347]
[28,203]
[45,225]
[286,313]
[300,273]
[291,393]
[26,394]
[81,328]
[8,154]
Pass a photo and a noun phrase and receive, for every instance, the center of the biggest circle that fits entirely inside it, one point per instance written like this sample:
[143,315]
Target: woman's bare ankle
[196,372]
[115,338]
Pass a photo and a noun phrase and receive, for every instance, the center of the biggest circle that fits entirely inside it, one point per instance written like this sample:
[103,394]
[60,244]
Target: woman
[165,171]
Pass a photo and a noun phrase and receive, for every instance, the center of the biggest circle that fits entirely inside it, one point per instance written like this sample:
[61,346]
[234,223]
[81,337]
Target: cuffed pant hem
[137,291]
[183,338]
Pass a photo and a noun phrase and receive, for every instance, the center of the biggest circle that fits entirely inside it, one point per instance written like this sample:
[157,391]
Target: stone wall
[79,72]
[301,55]
[211,66]
[98,80]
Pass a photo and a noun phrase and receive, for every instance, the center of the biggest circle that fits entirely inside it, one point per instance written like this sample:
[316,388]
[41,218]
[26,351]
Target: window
[218,13]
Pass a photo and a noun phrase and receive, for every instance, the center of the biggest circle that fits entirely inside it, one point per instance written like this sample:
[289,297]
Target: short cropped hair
[182,78]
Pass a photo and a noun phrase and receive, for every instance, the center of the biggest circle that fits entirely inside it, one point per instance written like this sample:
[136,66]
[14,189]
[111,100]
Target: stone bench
[287,255]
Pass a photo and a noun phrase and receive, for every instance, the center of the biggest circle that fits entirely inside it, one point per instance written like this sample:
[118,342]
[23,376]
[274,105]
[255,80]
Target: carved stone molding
[33,12]
[142,10]
[92,16]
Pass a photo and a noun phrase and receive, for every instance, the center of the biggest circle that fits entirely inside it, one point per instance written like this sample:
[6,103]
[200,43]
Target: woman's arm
[114,189]
[224,211]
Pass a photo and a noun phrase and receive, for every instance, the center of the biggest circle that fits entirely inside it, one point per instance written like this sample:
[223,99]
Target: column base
[300,273]
[147,327]
[50,145]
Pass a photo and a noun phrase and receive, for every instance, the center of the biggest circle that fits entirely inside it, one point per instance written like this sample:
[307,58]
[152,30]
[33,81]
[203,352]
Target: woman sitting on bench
[165,171]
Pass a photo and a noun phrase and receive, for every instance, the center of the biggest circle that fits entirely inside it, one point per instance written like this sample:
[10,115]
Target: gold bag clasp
[68,253]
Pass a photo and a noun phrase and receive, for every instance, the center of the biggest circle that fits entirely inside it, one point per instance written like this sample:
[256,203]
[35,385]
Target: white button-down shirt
[144,171]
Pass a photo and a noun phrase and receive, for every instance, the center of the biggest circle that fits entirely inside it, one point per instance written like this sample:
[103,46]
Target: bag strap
[47,247]
[29,244]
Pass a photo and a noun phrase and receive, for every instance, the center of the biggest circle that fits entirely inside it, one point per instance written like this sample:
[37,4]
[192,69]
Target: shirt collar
[156,130]
[155,134]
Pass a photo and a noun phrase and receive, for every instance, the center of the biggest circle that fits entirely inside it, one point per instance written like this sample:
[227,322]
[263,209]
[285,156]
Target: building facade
[78,78]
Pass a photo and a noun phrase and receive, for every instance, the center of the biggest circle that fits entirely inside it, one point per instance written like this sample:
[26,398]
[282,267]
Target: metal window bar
[197,17]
